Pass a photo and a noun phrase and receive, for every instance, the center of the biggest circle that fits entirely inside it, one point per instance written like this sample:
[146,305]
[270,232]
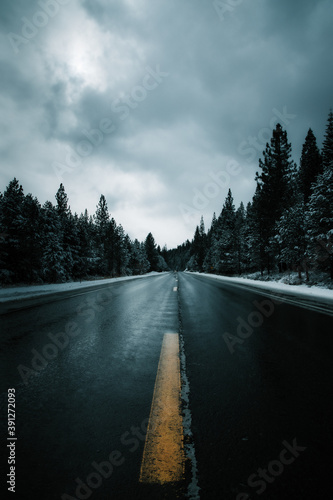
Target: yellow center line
[163,458]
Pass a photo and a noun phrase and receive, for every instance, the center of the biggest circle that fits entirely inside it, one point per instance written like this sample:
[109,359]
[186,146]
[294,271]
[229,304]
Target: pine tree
[327,149]
[310,165]
[291,241]
[151,252]
[54,256]
[104,236]
[113,244]
[85,241]
[162,264]
[138,263]
[319,221]
[319,217]
[69,233]
[223,251]
[240,241]
[102,216]
[31,262]
[199,247]
[276,190]
[251,240]
[12,227]
[255,237]
[62,202]
[208,266]
[121,252]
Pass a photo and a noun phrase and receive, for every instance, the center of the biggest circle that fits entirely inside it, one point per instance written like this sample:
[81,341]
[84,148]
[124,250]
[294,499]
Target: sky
[160,105]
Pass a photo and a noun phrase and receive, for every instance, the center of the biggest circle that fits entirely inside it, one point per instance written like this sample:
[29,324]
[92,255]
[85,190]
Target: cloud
[225,79]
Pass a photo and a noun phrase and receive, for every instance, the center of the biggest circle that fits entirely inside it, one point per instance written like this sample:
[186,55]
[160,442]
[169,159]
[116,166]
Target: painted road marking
[175,289]
[163,458]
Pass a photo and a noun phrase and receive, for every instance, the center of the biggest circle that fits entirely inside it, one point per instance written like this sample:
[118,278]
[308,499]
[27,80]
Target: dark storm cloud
[229,78]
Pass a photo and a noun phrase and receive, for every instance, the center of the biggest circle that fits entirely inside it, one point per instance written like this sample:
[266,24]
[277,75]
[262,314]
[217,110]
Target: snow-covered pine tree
[310,165]
[12,227]
[69,232]
[138,263]
[290,240]
[121,252]
[151,252]
[110,247]
[208,261]
[199,243]
[102,219]
[85,239]
[327,149]
[319,217]
[224,255]
[253,253]
[277,186]
[240,238]
[32,240]
[54,256]
[144,263]
[62,206]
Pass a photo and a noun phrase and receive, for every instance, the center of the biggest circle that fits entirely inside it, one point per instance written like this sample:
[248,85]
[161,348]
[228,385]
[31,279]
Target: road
[90,373]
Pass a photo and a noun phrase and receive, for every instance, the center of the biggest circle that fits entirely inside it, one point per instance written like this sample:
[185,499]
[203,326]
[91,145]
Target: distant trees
[49,244]
[177,258]
[289,223]
[154,255]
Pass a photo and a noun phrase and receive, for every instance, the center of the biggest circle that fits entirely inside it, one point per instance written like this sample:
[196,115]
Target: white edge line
[193,488]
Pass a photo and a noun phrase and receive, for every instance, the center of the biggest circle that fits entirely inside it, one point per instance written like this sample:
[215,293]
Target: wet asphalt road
[84,370]
[249,398]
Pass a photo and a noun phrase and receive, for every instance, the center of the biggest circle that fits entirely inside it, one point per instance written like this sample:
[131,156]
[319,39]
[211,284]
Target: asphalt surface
[84,370]
[249,398]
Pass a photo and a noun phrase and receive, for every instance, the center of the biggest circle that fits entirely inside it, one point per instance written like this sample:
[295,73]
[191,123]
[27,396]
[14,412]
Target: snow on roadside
[29,291]
[299,290]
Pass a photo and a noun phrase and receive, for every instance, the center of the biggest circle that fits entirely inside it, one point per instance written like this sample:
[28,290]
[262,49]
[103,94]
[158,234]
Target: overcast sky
[160,105]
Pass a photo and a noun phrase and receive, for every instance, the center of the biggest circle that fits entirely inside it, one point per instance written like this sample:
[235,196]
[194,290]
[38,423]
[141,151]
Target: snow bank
[34,291]
[301,291]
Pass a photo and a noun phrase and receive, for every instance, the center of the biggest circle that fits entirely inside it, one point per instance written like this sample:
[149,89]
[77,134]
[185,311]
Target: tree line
[50,244]
[288,225]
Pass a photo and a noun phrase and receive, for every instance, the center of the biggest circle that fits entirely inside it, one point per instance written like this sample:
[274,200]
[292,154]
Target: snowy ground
[317,279]
[23,292]
[315,298]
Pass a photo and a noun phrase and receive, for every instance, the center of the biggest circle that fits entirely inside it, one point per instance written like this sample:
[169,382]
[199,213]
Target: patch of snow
[279,286]
[31,291]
